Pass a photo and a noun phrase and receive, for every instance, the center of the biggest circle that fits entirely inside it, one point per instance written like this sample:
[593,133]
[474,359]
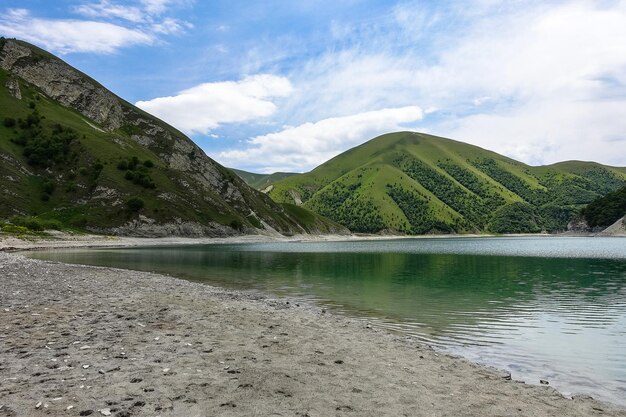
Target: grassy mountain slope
[417,183]
[74,152]
[261,181]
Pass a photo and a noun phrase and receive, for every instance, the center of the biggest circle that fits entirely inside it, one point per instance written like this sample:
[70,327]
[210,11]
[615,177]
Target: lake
[549,308]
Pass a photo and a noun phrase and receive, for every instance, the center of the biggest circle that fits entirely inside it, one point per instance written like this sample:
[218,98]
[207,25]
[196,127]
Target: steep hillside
[261,181]
[416,183]
[74,152]
[606,210]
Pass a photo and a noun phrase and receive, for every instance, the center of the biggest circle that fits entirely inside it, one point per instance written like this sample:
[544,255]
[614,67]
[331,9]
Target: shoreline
[226,353]
[59,240]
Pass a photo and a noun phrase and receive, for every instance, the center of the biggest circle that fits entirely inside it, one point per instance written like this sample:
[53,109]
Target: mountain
[261,181]
[75,153]
[416,183]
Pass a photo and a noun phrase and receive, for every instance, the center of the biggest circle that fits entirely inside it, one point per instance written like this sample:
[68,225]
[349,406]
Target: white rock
[105,411]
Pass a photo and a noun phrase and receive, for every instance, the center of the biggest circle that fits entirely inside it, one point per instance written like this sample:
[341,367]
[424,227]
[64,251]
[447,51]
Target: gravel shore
[80,340]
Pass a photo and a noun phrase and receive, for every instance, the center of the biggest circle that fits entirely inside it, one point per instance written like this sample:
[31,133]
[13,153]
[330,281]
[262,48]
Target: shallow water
[542,307]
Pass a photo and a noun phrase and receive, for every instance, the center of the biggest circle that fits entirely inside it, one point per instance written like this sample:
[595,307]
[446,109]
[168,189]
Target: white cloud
[156,6]
[107,9]
[66,36]
[556,82]
[170,26]
[543,82]
[310,144]
[114,26]
[209,105]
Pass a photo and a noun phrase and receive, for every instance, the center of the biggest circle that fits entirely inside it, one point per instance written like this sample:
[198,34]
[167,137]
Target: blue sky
[283,85]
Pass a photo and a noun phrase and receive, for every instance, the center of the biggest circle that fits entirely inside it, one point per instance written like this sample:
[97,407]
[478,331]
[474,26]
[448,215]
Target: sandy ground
[79,340]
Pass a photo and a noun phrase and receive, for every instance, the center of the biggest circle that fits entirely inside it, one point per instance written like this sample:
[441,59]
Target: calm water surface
[544,308]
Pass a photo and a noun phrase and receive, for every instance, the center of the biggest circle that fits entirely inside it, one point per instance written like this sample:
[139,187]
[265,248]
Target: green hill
[78,156]
[261,181]
[416,183]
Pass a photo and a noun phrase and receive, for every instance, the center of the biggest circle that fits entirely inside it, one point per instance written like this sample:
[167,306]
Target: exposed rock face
[63,83]
[14,88]
[145,227]
[578,224]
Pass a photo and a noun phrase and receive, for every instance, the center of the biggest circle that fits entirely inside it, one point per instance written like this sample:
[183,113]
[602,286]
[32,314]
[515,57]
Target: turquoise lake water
[549,308]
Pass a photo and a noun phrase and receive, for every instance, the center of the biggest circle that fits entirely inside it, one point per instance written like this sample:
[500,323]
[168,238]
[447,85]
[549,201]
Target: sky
[276,85]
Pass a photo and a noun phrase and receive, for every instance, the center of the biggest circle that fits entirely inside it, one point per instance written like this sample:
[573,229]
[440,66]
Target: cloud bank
[207,106]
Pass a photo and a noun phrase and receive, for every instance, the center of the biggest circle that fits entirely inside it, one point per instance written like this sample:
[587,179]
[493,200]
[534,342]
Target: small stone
[105,411]
[166,370]
[85,347]
[85,366]
[69,407]
[38,404]
[544,382]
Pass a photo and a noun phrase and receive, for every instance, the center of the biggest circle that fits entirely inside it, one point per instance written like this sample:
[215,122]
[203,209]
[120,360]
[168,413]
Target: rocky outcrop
[62,83]
[579,225]
[14,88]
[146,227]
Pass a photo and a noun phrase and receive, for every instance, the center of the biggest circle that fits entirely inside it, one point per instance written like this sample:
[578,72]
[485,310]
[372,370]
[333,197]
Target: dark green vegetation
[261,181]
[606,210]
[75,154]
[415,183]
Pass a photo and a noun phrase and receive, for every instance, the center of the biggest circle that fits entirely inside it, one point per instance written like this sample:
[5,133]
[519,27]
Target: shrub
[30,223]
[148,163]
[48,187]
[13,229]
[134,204]
[9,122]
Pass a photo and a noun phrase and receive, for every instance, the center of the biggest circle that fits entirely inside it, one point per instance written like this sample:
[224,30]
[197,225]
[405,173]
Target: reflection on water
[549,308]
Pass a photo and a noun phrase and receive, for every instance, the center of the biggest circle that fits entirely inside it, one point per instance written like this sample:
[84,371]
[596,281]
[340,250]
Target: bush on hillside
[135,204]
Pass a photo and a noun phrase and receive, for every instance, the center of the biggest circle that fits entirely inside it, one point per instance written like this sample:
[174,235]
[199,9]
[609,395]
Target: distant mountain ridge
[261,181]
[415,183]
[74,152]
